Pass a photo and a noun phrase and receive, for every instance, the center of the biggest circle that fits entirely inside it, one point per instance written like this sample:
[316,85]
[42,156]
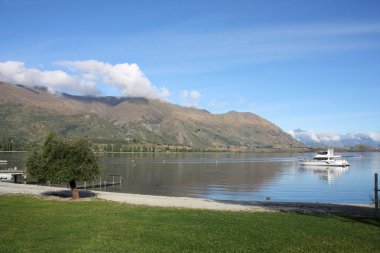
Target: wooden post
[120,178]
[85,184]
[376,193]
[100,183]
[113,180]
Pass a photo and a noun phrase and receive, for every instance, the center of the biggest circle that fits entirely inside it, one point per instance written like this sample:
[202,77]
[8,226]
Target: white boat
[325,158]
[3,161]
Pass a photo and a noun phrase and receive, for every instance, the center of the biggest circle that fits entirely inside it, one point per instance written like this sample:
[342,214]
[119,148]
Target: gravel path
[194,203]
[135,199]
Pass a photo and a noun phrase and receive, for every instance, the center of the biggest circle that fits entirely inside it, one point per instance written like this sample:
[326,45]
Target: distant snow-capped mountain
[314,139]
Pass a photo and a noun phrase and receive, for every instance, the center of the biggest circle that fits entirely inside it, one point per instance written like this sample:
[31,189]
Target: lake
[237,176]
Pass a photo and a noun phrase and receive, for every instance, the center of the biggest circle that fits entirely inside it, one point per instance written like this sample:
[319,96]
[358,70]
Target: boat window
[320,158]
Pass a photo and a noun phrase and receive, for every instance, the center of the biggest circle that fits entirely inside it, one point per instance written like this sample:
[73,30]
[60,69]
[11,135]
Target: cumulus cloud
[54,80]
[190,98]
[84,77]
[128,78]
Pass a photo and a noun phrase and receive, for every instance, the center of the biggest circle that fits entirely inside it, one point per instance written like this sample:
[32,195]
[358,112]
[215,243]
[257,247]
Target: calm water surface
[231,176]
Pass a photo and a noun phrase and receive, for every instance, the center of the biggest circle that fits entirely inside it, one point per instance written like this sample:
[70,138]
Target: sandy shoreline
[193,203]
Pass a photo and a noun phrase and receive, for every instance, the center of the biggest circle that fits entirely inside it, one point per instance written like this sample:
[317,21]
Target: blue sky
[313,65]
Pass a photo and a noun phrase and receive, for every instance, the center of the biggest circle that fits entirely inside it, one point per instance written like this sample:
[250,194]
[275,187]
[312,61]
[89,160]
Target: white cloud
[83,77]
[54,80]
[302,135]
[128,78]
[190,98]
[374,136]
[312,138]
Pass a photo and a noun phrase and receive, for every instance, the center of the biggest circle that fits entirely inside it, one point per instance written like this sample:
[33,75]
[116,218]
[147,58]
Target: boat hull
[326,163]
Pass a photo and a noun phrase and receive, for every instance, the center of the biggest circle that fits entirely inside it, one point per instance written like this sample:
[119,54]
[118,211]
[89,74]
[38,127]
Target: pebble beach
[186,202]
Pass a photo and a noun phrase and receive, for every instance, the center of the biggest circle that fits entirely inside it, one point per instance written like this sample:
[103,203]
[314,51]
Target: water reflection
[236,176]
[193,176]
[329,174]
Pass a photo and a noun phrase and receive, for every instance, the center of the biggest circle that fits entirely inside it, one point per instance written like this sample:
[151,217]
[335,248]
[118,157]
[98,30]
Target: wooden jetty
[99,183]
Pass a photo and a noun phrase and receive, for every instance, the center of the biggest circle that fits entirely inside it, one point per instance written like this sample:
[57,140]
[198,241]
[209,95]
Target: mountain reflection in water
[194,176]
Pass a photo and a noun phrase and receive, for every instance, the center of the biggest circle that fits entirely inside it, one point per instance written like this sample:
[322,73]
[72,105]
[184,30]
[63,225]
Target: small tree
[61,159]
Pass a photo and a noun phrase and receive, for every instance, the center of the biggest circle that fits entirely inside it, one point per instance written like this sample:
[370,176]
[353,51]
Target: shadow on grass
[321,208]
[373,221]
[83,194]
[357,213]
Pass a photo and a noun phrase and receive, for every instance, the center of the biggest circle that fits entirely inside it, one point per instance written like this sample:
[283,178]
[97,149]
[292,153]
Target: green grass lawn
[37,225]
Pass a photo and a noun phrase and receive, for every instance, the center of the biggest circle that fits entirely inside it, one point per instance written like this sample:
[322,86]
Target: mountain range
[314,139]
[30,113]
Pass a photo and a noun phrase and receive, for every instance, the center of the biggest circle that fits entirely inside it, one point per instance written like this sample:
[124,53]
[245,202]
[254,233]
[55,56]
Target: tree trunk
[74,191]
